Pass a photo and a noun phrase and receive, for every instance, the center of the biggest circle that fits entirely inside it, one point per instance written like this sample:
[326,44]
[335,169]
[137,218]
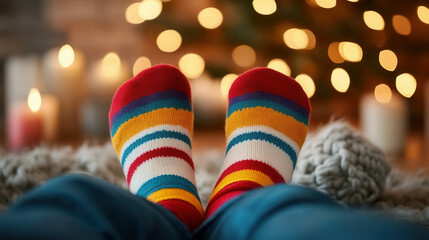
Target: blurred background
[364,61]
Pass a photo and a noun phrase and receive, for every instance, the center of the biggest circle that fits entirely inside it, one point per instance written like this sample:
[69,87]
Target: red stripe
[185,211]
[269,81]
[158,152]
[253,165]
[243,185]
[157,78]
[215,205]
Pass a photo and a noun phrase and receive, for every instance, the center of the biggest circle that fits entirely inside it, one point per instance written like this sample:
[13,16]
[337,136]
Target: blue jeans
[80,207]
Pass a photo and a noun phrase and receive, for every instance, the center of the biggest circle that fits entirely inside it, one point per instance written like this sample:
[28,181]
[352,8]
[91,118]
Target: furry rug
[405,196]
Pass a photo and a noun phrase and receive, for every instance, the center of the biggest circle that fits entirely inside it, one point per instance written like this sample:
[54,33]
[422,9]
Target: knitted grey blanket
[336,161]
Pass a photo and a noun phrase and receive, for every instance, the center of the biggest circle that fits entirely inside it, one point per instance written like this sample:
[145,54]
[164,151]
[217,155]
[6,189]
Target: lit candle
[63,70]
[384,119]
[25,122]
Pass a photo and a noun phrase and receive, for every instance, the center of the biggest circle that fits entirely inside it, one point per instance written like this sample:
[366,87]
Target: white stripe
[168,127]
[265,129]
[160,166]
[262,151]
[154,144]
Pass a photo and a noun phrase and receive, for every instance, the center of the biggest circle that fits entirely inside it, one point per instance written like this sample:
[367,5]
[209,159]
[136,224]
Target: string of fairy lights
[193,65]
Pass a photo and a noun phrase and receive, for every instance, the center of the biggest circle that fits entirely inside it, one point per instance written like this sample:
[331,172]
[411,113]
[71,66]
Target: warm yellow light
[340,80]
[373,20]
[244,56]
[110,66]
[140,64]
[350,51]
[66,56]
[326,3]
[353,0]
[334,53]
[169,40]
[388,60]
[132,14]
[311,39]
[34,100]
[296,38]
[210,18]
[192,65]
[423,14]
[150,9]
[406,84]
[280,66]
[264,7]
[311,3]
[401,24]
[382,93]
[226,83]
[307,84]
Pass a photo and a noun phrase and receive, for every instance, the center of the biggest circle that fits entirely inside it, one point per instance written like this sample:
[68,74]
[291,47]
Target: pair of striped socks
[151,124]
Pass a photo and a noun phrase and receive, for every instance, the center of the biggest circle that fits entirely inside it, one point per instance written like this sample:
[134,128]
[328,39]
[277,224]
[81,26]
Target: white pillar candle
[384,121]
[63,70]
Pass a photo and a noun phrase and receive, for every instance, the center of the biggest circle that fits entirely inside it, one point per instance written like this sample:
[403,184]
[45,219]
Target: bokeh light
[280,66]
[350,51]
[373,20]
[326,3]
[141,64]
[406,84]
[307,84]
[382,93]
[169,41]
[66,56]
[296,38]
[334,53]
[353,0]
[264,7]
[311,39]
[244,56]
[210,18]
[192,65]
[423,14]
[340,80]
[226,83]
[34,100]
[388,60]
[401,24]
[132,14]
[110,66]
[150,9]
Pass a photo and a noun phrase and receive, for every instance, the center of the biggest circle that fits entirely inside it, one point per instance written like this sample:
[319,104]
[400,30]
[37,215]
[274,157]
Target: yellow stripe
[137,124]
[243,175]
[288,125]
[176,193]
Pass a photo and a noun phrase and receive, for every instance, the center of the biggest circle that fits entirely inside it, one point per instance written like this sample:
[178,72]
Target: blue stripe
[258,135]
[251,103]
[148,99]
[167,181]
[155,135]
[164,103]
[273,98]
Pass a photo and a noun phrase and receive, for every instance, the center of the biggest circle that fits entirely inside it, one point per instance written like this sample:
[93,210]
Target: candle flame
[66,56]
[34,100]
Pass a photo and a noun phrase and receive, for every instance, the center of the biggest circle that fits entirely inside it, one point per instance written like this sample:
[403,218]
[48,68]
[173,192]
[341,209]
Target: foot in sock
[266,125]
[151,123]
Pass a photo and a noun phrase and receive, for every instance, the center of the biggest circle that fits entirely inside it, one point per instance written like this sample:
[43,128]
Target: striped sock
[151,123]
[266,125]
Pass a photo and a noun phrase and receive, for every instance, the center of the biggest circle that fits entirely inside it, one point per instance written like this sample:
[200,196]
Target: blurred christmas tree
[366,42]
